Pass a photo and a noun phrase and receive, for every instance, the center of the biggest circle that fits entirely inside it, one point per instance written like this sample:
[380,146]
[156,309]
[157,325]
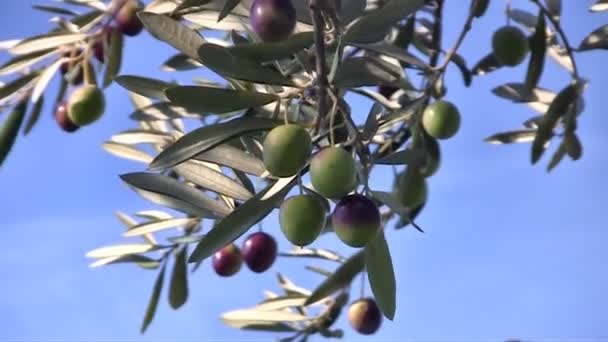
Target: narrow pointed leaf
[16,85]
[144,86]
[171,193]
[557,157]
[43,81]
[538,48]
[228,7]
[217,100]
[486,65]
[207,137]
[180,62]
[266,52]
[34,116]
[379,266]
[240,220]
[597,39]
[10,129]
[396,52]
[461,63]
[54,9]
[207,178]
[154,298]
[557,109]
[155,226]
[173,32]
[161,111]
[225,63]
[555,8]
[141,260]
[114,59]
[178,288]
[340,279]
[404,157]
[254,315]
[365,71]
[521,136]
[21,62]
[119,250]
[573,146]
[127,152]
[234,158]
[47,41]
[599,6]
[373,26]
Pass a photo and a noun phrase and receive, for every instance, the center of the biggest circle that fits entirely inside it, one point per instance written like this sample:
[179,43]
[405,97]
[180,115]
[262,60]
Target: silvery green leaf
[365,71]
[154,297]
[404,157]
[599,6]
[230,156]
[162,111]
[281,303]
[119,250]
[395,52]
[155,226]
[127,152]
[34,116]
[538,48]
[239,318]
[54,9]
[210,100]
[10,129]
[43,81]
[265,52]
[379,267]
[240,220]
[207,137]
[372,27]
[486,65]
[180,62]
[319,270]
[555,8]
[178,288]
[144,86]
[598,39]
[521,136]
[45,42]
[198,173]
[17,84]
[153,215]
[139,136]
[222,61]
[141,260]
[173,32]
[314,253]
[113,57]
[22,62]
[173,194]
[341,278]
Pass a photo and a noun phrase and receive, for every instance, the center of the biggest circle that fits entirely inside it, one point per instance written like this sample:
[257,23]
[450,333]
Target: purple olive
[273,20]
[356,220]
[259,251]
[127,20]
[61,116]
[227,261]
[364,316]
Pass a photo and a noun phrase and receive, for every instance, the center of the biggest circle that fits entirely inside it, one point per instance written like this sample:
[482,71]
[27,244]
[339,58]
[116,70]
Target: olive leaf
[340,279]
[598,39]
[161,111]
[266,52]
[520,136]
[178,288]
[379,266]
[373,26]
[144,86]
[127,152]
[222,61]
[228,7]
[22,62]
[54,9]
[120,250]
[599,6]
[173,32]
[538,48]
[10,129]
[556,110]
[34,116]
[173,194]
[216,100]
[45,42]
[158,225]
[365,71]
[198,173]
[232,157]
[486,65]
[241,219]
[180,62]
[207,137]
[114,59]
[13,87]
[154,297]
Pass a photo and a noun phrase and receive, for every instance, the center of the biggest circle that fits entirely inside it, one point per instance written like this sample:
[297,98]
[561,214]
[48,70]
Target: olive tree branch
[465,29]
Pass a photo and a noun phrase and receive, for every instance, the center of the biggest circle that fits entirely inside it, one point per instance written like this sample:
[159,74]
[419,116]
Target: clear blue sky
[510,251]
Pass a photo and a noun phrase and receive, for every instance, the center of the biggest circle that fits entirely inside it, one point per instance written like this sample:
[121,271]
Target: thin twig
[437,33]
[322,81]
[465,29]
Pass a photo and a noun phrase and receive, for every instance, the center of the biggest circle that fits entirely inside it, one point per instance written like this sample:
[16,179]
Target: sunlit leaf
[381,276]
[207,137]
[22,62]
[144,86]
[114,59]
[173,194]
[127,152]
[180,62]
[155,226]
[599,6]
[46,41]
[216,100]
[240,220]
[365,71]
[141,260]
[43,81]
[198,173]
[162,111]
[340,279]
[396,52]
[14,86]
[173,32]
[265,52]
[281,303]
[119,250]
[598,39]
[234,158]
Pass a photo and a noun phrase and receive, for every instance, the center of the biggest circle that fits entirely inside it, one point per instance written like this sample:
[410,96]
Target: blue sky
[510,251]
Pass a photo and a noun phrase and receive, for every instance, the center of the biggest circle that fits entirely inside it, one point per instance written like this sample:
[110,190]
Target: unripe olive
[86,105]
[333,172]
[302,218]
[286,150]
[441,119]
[510,45]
